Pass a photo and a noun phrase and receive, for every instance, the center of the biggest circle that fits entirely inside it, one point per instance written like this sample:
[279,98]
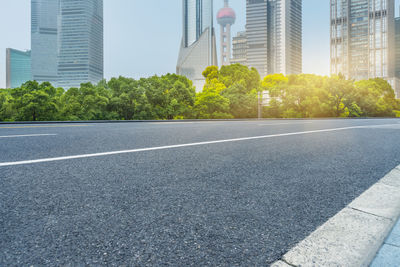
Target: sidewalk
[389,254]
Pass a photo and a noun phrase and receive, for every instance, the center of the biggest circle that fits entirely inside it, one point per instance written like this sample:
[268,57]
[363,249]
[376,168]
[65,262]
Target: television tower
[226,18]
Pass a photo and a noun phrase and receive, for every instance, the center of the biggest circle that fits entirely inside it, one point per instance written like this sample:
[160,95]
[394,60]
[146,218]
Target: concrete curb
[114,121]
[191,120]
[354,235]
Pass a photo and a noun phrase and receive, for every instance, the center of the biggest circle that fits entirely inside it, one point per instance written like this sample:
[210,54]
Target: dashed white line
[4,164]
[26,135]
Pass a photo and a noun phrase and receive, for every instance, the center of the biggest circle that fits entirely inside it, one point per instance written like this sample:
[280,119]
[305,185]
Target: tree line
[229,92]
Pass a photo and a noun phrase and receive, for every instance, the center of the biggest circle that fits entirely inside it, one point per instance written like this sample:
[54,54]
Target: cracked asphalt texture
[229,204]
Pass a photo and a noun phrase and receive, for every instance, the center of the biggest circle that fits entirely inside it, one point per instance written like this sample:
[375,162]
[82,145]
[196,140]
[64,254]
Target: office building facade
[18,67]
[80,42]
[44,40]
[397,48]
[67,41]
[363,38]
[198,46]
[239,49]
[274,36]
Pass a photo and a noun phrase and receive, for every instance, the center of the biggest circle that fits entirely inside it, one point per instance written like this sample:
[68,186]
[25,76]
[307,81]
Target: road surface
[223,193]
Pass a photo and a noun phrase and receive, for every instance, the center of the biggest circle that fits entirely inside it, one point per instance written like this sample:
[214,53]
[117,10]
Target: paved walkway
[389,254]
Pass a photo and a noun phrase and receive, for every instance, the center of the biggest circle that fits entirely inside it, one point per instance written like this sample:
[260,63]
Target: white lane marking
[41,126]
[285,123]
[176,146]
[26,135]
[168,123]
[184,122]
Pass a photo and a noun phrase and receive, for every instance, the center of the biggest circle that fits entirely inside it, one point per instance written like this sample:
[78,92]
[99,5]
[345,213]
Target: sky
[142,37]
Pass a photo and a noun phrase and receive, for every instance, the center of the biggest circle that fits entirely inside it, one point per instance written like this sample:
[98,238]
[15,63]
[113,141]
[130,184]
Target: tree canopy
[312,96]
[229,92]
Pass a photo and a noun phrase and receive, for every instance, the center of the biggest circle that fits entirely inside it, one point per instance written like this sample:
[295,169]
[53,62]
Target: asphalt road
[241,202]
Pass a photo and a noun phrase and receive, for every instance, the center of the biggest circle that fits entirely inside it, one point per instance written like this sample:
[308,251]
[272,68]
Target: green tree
[129,100]
[249,78]
[241,104]
[6,106]
[211,105]
[237,85]
[339,96]
[89,102]
[229,92]
[375,98]
[34,101]
[169,96]
[275,85]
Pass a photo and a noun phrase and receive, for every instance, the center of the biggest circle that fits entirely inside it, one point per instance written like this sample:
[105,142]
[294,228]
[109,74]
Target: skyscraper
[226,18]
[362,38]
[274,36]
[18,67]
[44,30]
[67,41]
[395,82]
[397,49]
[80,42]
[198,47]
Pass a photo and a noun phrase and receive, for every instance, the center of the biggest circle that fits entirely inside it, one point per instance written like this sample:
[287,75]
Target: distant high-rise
[67,41]
[397,49]
[198,47]
[395,82]
[226,18]
[80,42]
[362,38]
[18,67]
[44,17]
[274,36]
[239,48]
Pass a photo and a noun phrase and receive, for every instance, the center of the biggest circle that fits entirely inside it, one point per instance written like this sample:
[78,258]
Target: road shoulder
[354,235]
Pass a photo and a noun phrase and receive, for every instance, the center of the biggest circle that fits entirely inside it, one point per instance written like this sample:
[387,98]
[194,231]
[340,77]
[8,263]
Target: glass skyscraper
[80,42]
[362,38]
[67,41]
[18,67]
[274,36]
[198,47]
[197,18]
[44,29]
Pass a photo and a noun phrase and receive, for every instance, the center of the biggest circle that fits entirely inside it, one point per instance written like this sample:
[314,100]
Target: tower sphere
[226,16]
